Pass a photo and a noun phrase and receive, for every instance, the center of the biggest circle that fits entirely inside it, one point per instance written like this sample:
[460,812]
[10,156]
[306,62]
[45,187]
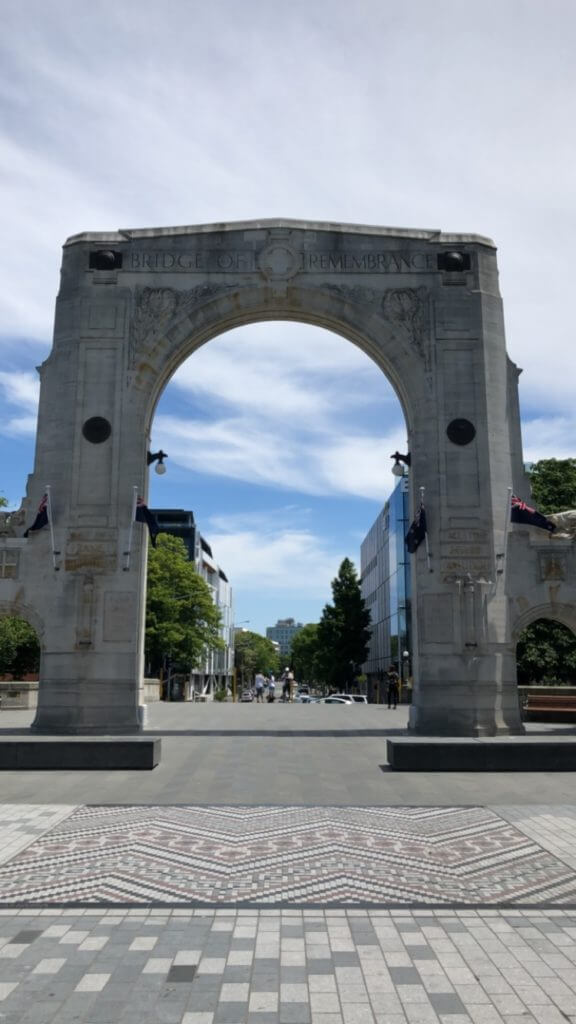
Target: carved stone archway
[133,305]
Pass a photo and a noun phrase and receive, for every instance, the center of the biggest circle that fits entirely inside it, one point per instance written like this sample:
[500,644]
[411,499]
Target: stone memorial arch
[133,305]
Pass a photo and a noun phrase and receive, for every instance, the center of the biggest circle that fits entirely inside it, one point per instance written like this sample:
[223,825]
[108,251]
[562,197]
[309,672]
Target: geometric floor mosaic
[285,856]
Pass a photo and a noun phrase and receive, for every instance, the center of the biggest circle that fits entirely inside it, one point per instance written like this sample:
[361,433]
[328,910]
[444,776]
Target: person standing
[393,687]
[259,687]
[271,690]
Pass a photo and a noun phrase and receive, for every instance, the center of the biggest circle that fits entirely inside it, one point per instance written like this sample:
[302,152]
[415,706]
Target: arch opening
[285,431]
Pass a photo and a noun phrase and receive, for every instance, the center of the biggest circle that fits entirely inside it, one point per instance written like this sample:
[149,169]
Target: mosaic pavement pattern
[287,967]
[266,856]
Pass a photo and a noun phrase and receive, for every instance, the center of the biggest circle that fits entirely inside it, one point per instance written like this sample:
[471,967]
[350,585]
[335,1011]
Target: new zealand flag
[41,516]
[522,513]
[144,515]
[417,531]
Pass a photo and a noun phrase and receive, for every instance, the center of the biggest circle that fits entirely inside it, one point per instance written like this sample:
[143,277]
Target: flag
[522,513]
[144,515]
[41,516]
[417,531]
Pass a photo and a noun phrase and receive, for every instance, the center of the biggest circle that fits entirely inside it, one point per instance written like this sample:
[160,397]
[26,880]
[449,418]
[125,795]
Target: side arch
[564,613]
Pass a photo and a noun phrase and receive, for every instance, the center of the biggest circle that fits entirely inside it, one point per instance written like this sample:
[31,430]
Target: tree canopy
[304,656]
[254,653]
[344,630]
[546,652]
[182,621]
[553,483]
[19,648]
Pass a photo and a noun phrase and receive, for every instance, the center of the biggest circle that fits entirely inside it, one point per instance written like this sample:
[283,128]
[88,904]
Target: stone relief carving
[565,523]
[156,308]
[407,310]
[552,567]
[12,523]
[353,293]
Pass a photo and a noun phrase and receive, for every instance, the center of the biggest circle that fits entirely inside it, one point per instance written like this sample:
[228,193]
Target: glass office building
[385,576]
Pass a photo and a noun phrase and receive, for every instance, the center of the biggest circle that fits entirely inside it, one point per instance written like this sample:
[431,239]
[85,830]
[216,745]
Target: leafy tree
[19,648]
[546,652]
[3,501]
[254,653]
[182,621]
[344,630]
[553,483]
[305,651]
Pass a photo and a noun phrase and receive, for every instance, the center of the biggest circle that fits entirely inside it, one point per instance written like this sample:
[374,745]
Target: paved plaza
[273,870]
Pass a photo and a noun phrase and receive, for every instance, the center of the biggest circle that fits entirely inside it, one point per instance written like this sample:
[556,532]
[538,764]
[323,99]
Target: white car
[332,700]
[351,698]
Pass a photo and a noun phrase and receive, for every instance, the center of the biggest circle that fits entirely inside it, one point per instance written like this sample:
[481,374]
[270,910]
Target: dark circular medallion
[461,431]
[96,430]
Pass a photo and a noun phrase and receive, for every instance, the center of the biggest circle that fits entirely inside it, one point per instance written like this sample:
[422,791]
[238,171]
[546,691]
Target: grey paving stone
[294,1013]
[27,935]
[421,953]
[229,1013]
[320,966]
[447,1003]
[181,972]
[234,973]
[405,976]
[294,975]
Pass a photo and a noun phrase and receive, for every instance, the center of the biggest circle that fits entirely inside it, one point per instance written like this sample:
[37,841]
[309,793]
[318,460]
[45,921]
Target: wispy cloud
[265,553]
[20,390]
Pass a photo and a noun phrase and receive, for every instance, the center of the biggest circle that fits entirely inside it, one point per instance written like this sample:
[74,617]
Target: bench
[542,704]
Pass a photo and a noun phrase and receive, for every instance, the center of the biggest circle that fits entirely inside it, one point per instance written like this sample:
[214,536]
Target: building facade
[216,670]
[283,634]
[385,585]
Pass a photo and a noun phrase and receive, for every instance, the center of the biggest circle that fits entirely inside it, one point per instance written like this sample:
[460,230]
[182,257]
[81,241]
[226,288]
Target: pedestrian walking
[393,687]
[259,687]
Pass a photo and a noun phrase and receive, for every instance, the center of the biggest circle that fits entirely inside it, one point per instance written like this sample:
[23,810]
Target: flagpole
[51,525]
[132,518]
[506,529]
[422,489]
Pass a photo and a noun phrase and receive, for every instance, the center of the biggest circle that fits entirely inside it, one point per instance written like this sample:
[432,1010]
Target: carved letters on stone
[156,308]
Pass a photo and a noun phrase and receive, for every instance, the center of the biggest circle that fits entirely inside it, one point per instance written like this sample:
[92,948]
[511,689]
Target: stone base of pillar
[88,708]
[463,709]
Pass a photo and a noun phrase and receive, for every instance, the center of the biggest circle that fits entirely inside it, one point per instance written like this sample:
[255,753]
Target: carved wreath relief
[156,308]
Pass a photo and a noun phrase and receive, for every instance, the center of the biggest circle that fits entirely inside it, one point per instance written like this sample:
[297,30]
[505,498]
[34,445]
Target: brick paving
[286,961]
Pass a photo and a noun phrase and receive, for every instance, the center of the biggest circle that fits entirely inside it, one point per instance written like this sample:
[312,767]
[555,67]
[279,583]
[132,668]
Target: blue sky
[424,115]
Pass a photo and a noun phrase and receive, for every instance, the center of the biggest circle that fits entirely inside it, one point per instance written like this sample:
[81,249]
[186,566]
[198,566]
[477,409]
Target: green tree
[182,621]
[304,656]
[553,483]
[253,653]
[344,630]
[546,652]
[19,648]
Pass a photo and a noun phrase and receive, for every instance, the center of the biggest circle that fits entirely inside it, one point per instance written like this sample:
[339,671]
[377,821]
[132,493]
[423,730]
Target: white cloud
[20,390]
[268,555]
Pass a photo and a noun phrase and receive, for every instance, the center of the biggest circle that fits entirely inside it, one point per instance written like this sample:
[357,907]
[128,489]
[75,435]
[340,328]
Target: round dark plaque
[96,430]
[461,431]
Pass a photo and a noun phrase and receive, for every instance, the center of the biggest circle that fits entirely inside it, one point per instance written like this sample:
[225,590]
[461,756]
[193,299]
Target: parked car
[332,700]
[246,697]
[303,697]
[352,698]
